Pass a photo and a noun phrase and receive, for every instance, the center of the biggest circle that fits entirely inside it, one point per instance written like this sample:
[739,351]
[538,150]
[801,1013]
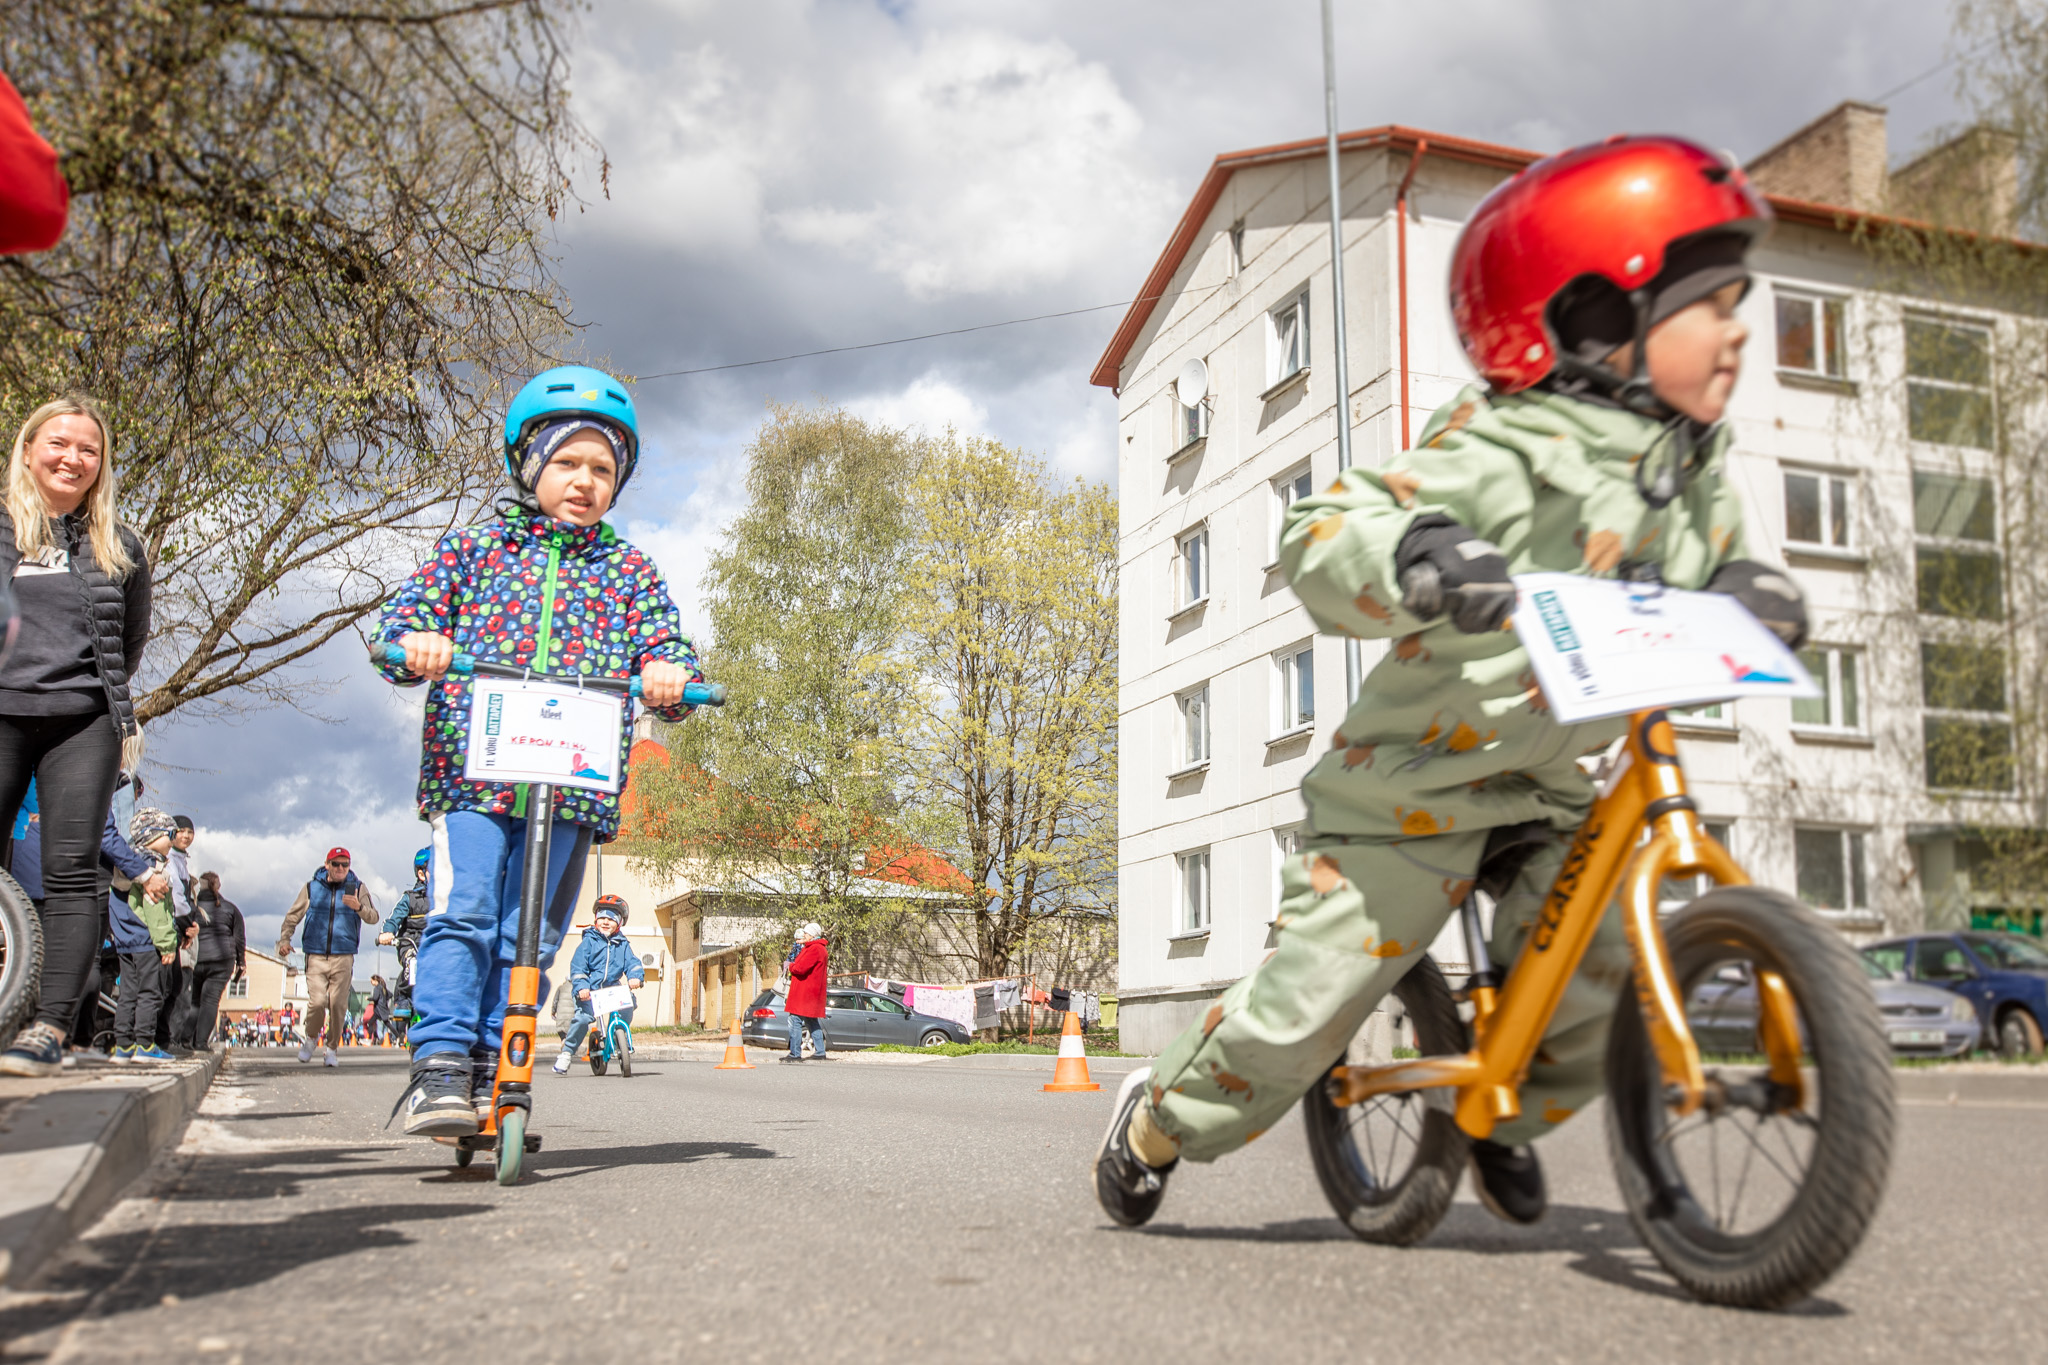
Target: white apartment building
[1863,464]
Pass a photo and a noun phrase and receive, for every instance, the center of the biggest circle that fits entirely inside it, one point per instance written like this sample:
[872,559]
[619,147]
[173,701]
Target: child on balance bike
[603,958]
[1595,293]
[547,585]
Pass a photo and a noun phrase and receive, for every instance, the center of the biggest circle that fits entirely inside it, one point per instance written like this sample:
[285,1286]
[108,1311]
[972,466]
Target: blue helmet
[569,391]
[422,858]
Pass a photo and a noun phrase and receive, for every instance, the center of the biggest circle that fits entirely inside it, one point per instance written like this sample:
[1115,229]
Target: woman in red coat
[806,1003]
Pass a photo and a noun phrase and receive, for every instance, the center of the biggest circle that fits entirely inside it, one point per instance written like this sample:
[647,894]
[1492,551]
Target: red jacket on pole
[807,981]
[33,196]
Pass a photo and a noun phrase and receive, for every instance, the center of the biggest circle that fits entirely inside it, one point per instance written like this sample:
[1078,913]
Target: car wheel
[2018,1034]
[933,1038]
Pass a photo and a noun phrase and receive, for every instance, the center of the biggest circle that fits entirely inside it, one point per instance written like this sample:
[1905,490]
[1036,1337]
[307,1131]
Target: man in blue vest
[335,907]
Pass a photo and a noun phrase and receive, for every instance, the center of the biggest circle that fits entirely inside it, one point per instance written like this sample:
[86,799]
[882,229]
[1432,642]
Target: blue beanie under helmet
[555,404]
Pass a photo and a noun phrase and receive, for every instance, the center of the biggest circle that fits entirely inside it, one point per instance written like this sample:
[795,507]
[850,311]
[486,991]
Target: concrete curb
[67,1154]
[1996,1087]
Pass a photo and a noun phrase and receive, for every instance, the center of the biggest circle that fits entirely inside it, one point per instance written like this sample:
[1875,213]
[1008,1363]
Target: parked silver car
[1921,1021]
[853,1019]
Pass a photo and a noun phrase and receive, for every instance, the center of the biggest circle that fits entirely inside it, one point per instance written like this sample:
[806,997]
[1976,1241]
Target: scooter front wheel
[1755,1199]
[511,1145]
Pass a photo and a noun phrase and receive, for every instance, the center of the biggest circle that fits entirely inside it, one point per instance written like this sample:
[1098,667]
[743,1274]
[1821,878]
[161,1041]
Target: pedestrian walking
[175,1024]
[380,1008]
[83,586]
[335,906]
[219,955]
[805,1003]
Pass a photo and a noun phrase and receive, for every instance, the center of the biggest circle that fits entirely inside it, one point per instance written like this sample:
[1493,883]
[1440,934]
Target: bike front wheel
[21,958]
[1763,1193]
[622,1048]
[1390,1165]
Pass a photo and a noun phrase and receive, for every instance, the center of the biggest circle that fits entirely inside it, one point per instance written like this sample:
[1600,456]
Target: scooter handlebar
[694,694]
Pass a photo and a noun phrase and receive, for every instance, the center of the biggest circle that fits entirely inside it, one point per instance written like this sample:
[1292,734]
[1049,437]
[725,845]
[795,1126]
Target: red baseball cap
[334,853]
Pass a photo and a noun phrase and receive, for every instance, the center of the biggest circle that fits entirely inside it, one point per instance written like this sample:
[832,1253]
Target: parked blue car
[2004,975]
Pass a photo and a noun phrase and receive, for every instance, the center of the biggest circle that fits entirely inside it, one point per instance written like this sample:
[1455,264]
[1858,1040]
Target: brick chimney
[1837,159]
[1972,181]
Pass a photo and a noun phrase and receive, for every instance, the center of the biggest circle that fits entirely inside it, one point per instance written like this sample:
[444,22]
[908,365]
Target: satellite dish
[1193,384]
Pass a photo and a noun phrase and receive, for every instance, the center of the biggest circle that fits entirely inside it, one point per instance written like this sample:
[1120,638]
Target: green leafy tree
[306,252]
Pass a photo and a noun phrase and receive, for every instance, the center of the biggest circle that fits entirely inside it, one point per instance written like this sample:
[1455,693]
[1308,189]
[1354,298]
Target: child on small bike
[1595,293]
[603,958]
[402,930]
[548,585]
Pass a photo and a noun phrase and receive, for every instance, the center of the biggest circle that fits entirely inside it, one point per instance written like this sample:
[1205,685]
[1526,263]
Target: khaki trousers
[329,978]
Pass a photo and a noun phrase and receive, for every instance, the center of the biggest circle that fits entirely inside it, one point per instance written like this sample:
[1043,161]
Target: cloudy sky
[790,175]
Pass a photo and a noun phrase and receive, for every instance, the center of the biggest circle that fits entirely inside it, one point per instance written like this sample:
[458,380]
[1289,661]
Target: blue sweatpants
[464,966]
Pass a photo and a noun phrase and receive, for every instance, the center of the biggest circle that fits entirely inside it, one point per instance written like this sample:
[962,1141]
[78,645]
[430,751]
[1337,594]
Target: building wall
[1755,770]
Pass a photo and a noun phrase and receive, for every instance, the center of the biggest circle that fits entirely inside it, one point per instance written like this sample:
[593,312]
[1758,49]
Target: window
[1817,508]
[1286,843]
[1194,726]
[1288,489]
[1966,729]
[1830,868]
[1287,340]
[1194,891]
[1190,420]
[1236,248]
[1678,891]
[1193,570]
[1295,670]
[1948,383]
[1810,334]
[1941,959]
[238,989]
[1956,555]
[1840,707]
[1719,715]
[882,1004]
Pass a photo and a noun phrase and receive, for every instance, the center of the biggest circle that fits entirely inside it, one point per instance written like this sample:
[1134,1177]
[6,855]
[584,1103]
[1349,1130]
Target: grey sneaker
[1128,1189]
[437,1102]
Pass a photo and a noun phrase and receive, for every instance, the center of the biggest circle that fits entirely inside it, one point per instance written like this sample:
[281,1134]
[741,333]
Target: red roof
[1400,138]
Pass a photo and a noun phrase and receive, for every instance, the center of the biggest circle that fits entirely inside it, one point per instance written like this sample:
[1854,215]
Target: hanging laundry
[908,994]
[1009,994]
[1089,1005]
[985,1014]
[954,1006]
[1062,999]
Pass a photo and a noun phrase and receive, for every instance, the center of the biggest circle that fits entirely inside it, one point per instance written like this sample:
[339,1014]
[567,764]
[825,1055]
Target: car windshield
[2008,953]
[1873,970]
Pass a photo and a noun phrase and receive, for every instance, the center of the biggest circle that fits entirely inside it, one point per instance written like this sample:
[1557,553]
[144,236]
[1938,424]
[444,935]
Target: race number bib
[522,731]
[610,999]
[1605,648]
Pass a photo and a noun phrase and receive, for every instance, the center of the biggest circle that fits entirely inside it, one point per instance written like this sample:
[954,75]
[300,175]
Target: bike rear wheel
[21,958]
[1761,1195]
[622,1049]
[1390,1165]
[597,1056]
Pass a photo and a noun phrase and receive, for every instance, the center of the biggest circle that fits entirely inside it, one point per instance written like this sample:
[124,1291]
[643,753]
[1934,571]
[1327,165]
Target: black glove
[1770,594]
[1444,567]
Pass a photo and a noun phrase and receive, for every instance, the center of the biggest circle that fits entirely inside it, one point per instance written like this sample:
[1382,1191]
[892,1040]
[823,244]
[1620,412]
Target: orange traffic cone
[735,1051]
[1071,1071]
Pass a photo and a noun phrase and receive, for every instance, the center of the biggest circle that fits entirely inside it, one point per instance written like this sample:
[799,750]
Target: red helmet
[1610,210]
[612,906]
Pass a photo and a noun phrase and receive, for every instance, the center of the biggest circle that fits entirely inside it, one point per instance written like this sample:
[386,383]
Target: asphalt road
[865,1212]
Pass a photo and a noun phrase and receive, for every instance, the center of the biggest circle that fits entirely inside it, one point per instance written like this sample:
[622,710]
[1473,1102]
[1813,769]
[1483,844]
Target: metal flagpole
[1341,356]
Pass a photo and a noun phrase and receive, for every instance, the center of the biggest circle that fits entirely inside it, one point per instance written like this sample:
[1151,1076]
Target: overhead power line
[1939,67]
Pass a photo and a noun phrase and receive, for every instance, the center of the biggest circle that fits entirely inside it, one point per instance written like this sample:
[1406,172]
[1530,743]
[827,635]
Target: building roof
[1397,137]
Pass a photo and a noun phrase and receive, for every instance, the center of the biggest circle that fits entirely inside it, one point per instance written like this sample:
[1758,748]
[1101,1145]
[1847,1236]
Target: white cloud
[930,404]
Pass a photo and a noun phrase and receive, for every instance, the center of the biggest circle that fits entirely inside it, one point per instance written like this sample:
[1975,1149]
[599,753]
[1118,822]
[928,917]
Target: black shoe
[1130,1190]
[437,1102]
[1509,1182]
[785,1057]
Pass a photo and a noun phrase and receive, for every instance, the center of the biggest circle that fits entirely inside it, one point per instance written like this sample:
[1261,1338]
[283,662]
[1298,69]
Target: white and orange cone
[1071,1071]
[735,1051]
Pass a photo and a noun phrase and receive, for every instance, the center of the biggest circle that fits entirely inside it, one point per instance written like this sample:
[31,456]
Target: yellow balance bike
[1750,1104]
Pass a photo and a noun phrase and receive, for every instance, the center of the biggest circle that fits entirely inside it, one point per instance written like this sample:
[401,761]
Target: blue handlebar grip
[393,653]
[697,693]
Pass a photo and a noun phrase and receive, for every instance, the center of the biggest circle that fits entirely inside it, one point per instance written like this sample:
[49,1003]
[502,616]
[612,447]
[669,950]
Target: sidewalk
[71,1143]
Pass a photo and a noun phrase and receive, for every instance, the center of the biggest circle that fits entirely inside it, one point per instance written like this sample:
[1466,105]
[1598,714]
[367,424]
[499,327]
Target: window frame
[1989,389]
[1696,717]
[1853,843]
[237,988]
[1287,842]
[1830,340]
[1194,738]
[1277,373]
[1287,722]
[1830,679]
[1281,489]
[1932,715]
[1194,571]
[1190,420]
[1838,499]
[1927,543]
[1194,869]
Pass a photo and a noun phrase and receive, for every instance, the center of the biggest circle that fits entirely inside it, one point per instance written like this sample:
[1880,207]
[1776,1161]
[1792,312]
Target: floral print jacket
[529,590]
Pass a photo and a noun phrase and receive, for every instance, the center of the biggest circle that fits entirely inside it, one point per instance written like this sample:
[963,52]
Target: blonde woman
[82,584]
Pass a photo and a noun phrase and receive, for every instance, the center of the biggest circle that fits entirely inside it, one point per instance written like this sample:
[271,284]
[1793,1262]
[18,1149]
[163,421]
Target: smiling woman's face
[64,458]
